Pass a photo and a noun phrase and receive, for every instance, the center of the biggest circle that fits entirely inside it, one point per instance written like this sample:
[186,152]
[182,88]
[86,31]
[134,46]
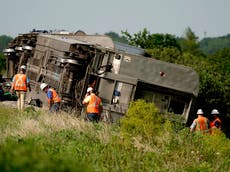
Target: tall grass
[39,141]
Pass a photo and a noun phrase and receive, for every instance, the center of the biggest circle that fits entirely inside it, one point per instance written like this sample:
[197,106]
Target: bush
[141,119]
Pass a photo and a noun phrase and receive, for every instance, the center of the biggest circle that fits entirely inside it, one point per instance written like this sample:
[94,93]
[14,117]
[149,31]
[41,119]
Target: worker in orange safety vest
[20,84]
[201,123]
[94,105]
[215,124]
[52,97]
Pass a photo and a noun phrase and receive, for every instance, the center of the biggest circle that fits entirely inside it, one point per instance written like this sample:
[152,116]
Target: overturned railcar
[72,62]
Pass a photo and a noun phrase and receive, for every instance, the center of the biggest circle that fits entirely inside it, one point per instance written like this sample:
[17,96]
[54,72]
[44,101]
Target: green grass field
[38,141]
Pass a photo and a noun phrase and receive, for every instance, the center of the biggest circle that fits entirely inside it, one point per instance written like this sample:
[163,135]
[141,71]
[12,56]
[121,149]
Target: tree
[221,59]
[116,37]
[4,40]
[2,62]
[169,54]
[212,45]
[141,39]
[189,42]
[146,40]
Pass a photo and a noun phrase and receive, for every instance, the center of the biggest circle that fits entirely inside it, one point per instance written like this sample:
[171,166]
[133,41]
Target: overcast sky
[207,18]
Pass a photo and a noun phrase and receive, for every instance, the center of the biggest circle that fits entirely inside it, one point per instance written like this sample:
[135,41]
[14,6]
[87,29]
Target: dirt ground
[12,104]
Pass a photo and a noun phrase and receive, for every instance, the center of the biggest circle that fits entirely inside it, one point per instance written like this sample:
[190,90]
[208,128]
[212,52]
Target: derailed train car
[119,73]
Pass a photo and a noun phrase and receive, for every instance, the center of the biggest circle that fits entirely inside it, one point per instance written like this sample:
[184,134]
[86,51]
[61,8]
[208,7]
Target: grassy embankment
[37,141]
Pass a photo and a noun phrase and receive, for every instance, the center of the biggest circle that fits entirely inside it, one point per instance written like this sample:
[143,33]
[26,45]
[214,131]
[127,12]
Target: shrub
[141,119]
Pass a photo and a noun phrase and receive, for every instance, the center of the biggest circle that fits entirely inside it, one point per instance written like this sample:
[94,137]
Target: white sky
[100,16]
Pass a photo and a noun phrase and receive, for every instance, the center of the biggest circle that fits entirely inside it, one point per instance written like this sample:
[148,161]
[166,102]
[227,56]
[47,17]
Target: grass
[38,141]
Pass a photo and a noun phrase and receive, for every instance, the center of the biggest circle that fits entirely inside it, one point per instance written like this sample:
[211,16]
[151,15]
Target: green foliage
[221,61]
[30,155]
[4,40]
[140,39]
[142,118]
[169,54]
[164,40]
[189,43]
[116,37]
[202,150]
[2,62]
[212,45]
[6,114]
[101,147]
[146,40]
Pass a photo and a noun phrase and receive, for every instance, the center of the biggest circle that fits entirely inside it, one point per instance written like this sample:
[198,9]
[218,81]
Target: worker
[215,124]
[52,98]
[20,83]
[201,123]
[94,105]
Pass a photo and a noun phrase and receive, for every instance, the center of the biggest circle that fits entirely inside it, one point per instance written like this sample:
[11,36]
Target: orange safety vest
[20,82]
[55,98]
[94,103]
[212,123]
[214,129]
[202,124]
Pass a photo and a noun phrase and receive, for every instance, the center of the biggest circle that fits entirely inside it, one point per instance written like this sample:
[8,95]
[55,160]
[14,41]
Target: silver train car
[119,73]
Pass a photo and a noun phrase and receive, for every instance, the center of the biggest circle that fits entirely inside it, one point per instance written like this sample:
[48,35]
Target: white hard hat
[23,67]
[215,112]
[89,89]
[200,111]
[43,85]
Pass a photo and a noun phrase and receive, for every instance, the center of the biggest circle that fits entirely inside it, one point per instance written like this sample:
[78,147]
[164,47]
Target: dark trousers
[94,117]
[55,107]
